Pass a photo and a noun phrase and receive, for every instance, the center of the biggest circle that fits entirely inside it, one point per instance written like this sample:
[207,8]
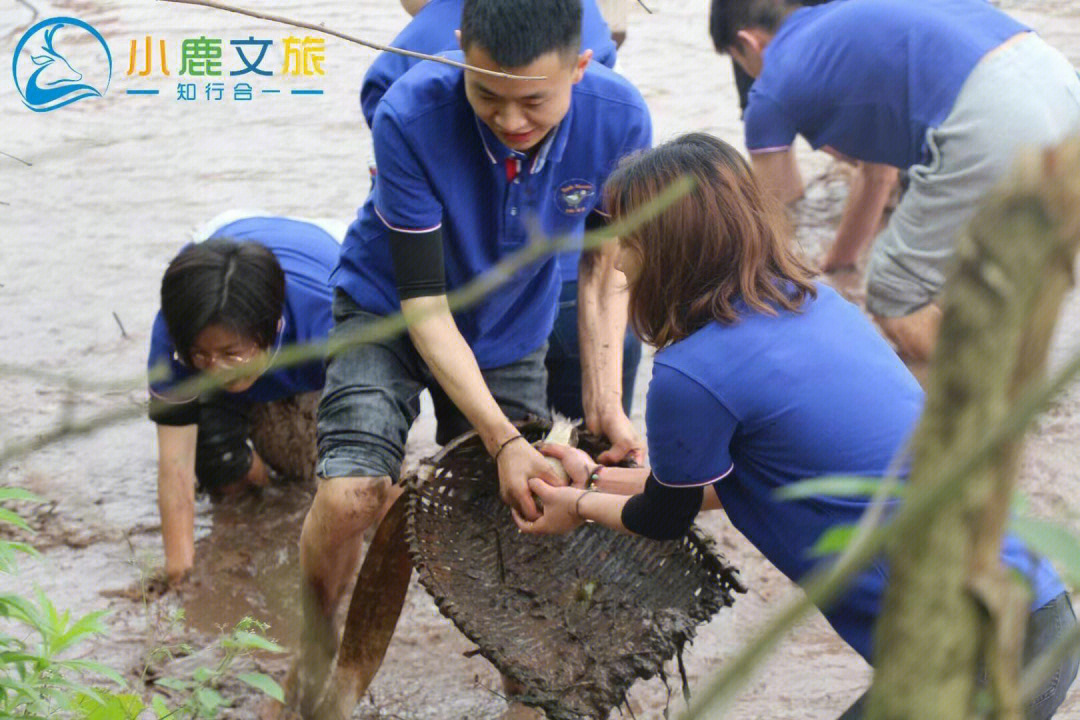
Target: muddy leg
[914,335]
[330,545]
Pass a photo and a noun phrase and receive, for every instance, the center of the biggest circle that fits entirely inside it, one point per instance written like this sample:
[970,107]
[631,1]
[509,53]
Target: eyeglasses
[206,360]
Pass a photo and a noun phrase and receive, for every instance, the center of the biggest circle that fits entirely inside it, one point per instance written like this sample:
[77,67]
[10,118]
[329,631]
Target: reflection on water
[249,563]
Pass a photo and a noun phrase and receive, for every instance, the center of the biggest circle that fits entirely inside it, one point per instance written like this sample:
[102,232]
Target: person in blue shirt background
[762,378]
[947,89]
[469,165]
[432,31]
[259,283]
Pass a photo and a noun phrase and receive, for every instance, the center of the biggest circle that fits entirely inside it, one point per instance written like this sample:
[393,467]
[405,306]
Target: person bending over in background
[258,284]
[946,89]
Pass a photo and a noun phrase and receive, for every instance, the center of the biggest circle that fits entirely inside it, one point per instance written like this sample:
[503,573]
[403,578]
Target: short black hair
[728,17]
[238,285]
[516,32]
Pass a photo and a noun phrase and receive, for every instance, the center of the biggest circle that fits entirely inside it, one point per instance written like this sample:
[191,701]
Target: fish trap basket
[575,619]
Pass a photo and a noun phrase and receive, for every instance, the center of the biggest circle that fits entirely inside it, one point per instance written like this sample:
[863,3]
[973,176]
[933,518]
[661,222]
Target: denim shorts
[372,397]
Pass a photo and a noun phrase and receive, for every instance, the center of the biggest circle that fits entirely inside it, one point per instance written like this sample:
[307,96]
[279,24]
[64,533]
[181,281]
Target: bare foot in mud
[339,700]
[152,587]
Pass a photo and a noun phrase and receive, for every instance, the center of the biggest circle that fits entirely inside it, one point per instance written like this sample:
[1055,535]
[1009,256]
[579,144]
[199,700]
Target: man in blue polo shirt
[469,164]
[433,31]
[948,89]
[251,284]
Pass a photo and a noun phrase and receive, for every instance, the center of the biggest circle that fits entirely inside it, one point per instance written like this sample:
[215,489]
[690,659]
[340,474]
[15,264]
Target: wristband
[577,503]
[594,478]
[502,447]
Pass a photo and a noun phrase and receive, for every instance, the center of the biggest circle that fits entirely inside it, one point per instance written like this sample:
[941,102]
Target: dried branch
[27,164]
[381,329]
[351,38]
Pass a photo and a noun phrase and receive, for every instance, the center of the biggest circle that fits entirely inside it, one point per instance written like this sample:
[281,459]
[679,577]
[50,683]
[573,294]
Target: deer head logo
[45,77]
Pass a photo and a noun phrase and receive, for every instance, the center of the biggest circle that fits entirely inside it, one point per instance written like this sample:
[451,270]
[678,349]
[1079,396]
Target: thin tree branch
[27,164]
[351,38]
[380,329]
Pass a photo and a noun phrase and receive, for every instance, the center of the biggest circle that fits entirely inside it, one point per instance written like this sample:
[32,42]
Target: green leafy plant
[199,694]
[40,679]
[37,679]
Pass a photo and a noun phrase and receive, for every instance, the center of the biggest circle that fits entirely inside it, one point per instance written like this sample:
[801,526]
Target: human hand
[577,463]
[626,444]
[258,475]
[831,263]
[560,511]
[518,461]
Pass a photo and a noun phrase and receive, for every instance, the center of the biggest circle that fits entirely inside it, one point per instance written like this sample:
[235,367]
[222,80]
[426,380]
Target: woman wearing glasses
[257,284]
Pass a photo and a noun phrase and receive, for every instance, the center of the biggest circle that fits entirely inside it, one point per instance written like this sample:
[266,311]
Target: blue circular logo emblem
[573,196]
[60,61]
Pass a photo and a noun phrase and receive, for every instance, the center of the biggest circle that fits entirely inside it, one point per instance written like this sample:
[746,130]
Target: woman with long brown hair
[762,378]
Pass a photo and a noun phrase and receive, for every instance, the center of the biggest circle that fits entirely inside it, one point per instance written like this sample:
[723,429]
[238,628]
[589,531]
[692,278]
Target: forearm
[176,503]
[452,363]
[602,316]
[621,481]
[658,512]
[870,190]
[778,173]
[631,481]
[603,508]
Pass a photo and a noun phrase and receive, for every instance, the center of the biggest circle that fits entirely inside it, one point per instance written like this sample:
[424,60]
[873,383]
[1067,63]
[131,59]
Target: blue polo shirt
[307,254]
[440,166]
[432,32]
[870,77]
[773,399]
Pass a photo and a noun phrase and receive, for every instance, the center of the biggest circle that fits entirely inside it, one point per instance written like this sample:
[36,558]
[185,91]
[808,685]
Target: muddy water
[116,186]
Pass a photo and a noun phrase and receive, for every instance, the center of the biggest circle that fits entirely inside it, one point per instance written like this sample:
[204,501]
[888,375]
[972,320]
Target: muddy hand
[626,444]
[519,462]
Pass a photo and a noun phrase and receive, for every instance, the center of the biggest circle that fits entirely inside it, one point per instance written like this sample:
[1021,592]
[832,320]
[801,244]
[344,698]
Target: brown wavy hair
[722,243]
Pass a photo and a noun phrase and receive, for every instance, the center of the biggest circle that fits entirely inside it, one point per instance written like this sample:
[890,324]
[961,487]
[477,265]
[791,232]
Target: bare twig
[120,324]
[27,164]
[351,38]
